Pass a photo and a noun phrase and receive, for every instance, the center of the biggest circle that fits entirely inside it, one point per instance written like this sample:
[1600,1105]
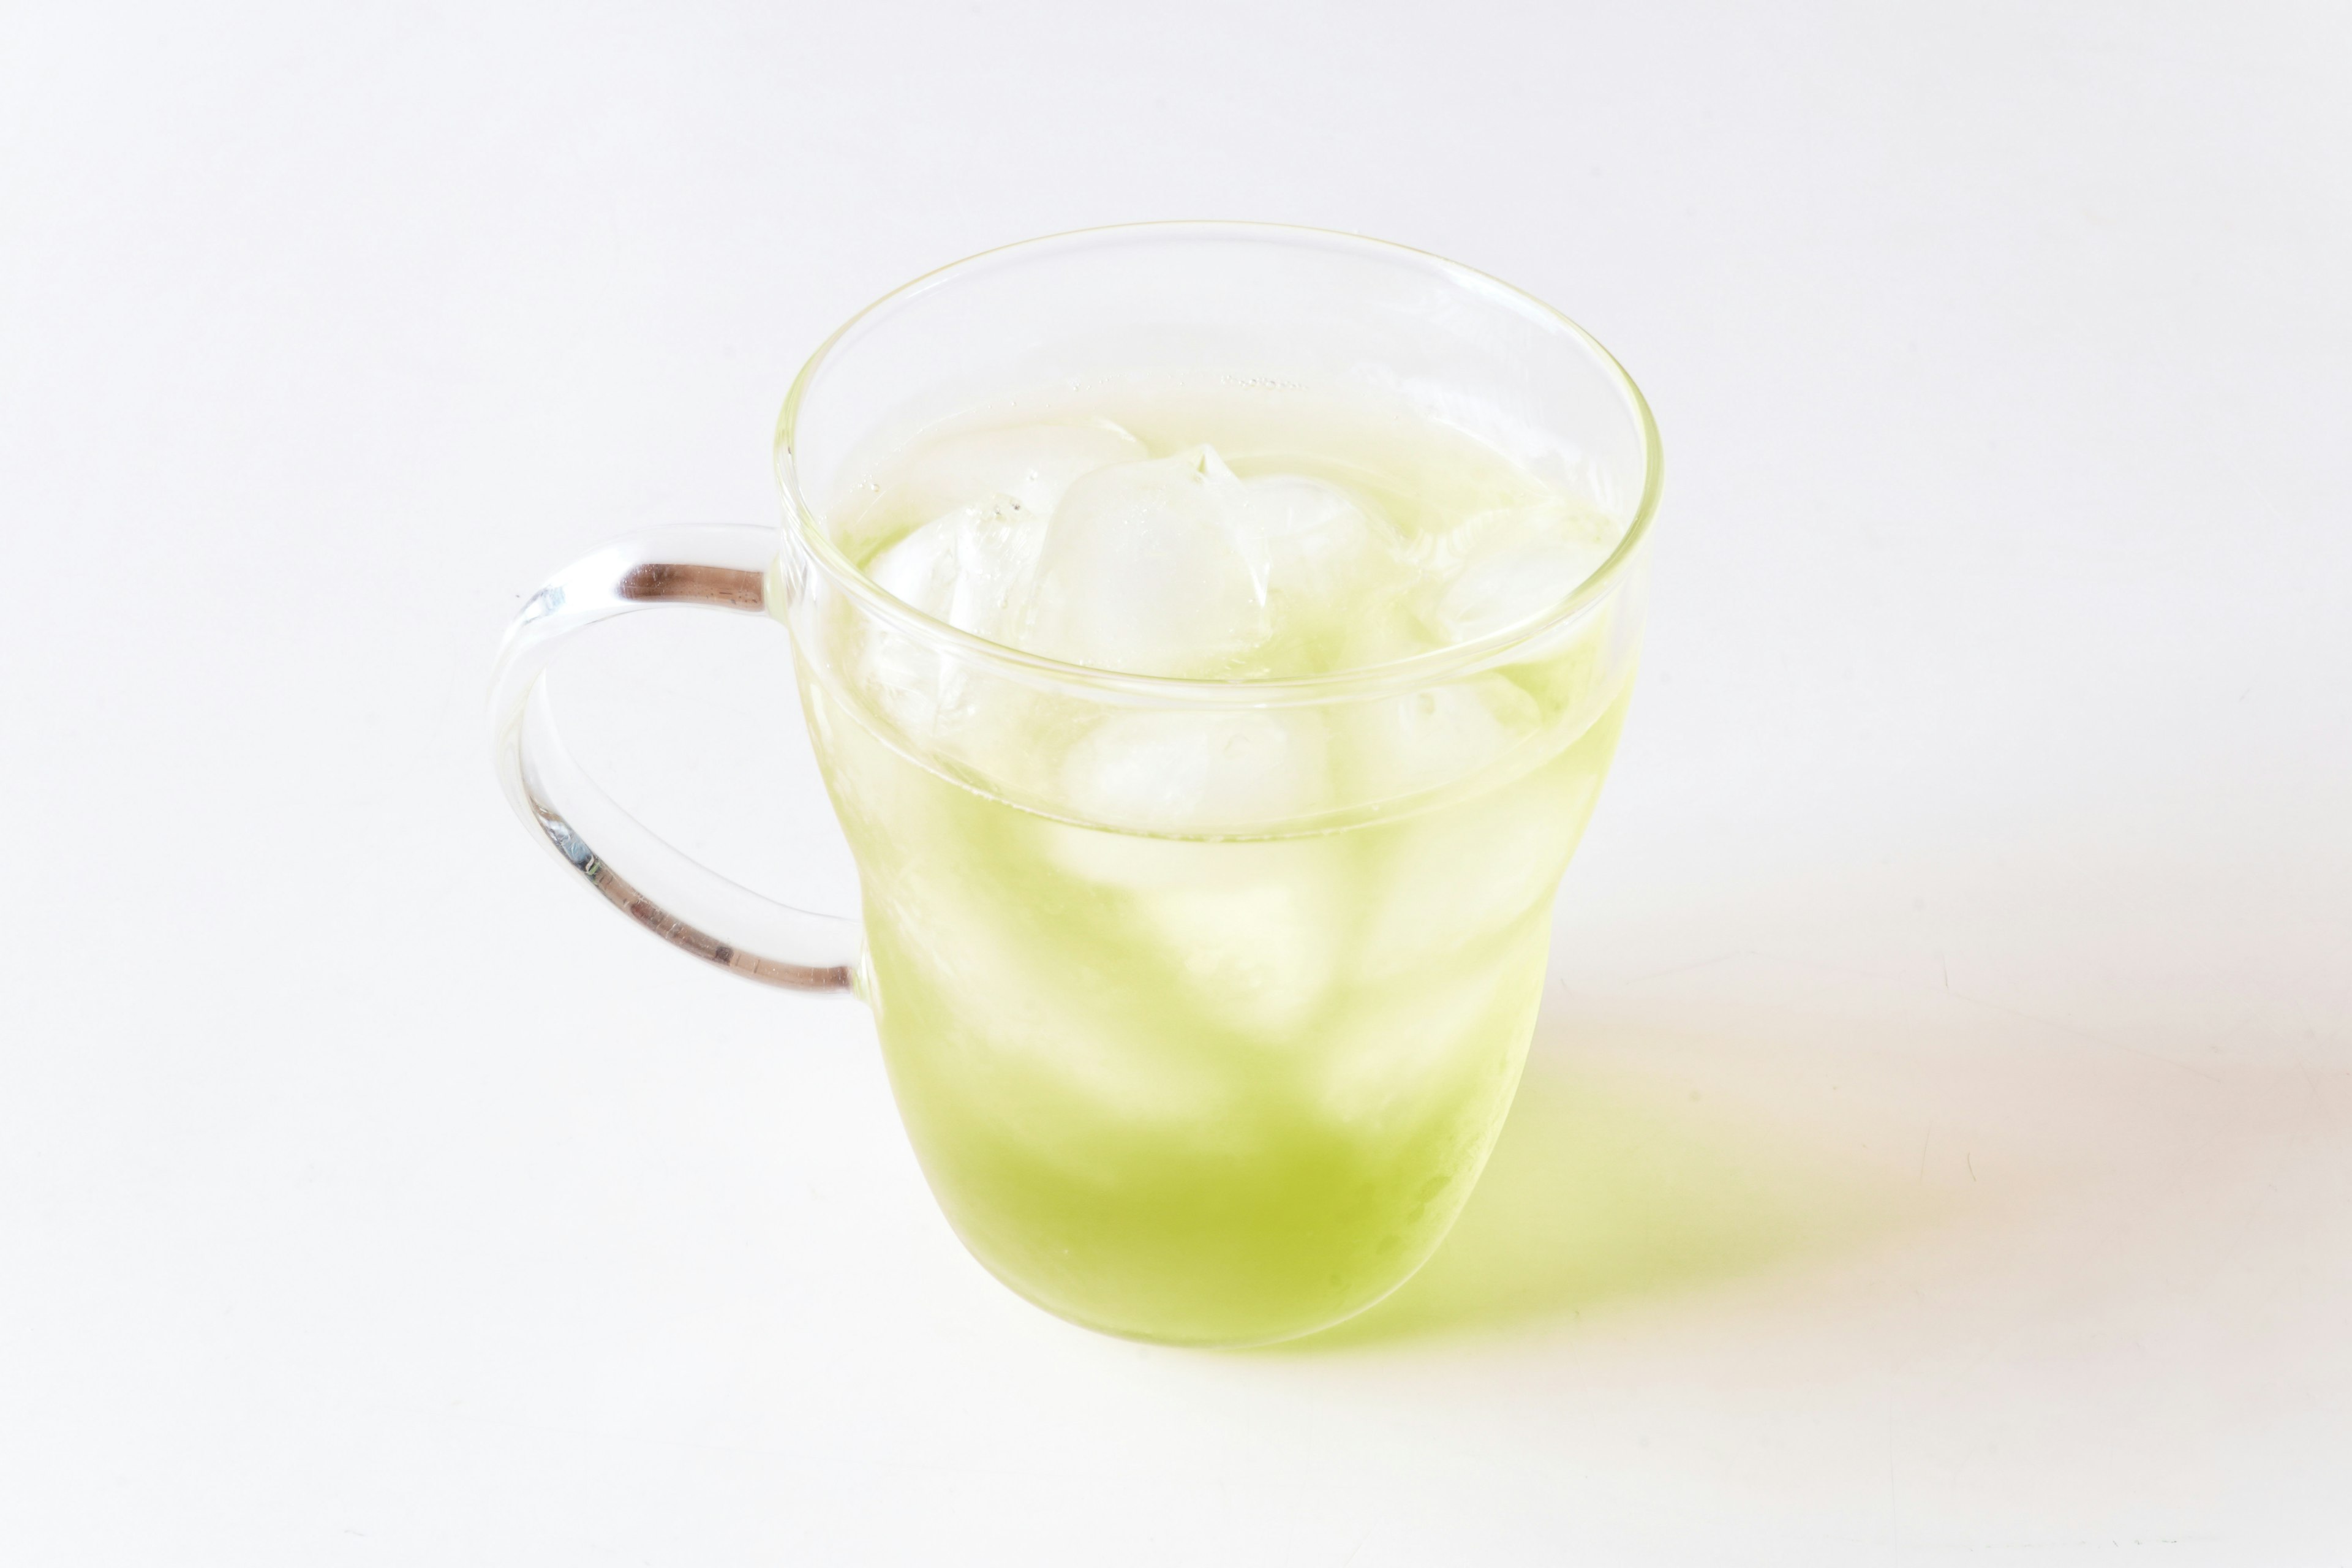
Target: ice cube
[1257,953]
[970,568]
[1034,464]
[1456,876]
[1336,583]
[1031,1047]
[1253,931]
[921,568]
[1427,1039]
[1310,539]
[907,680]
[1427,738]
[1144,570]
[1198,771]
[1517,562]
[1380,627]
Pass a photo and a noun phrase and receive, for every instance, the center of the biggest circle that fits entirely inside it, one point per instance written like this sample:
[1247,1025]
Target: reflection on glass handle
[675,898]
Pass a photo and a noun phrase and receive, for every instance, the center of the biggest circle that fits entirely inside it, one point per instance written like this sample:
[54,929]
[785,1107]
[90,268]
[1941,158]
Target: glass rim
[1416,670]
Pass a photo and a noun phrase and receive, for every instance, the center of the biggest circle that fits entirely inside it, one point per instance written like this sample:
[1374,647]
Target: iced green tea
[1203,1018]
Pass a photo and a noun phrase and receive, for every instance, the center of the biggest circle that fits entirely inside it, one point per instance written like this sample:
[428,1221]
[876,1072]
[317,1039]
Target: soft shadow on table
[1605,1189]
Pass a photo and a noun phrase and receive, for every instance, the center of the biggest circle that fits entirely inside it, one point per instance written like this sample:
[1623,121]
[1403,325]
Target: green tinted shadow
[1606,1190]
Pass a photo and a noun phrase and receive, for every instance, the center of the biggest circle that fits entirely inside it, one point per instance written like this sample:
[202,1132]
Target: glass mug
[1220,1076]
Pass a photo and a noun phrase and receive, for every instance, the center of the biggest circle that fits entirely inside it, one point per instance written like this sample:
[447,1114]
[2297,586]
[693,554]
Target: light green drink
[1203,1025]
[1214,638]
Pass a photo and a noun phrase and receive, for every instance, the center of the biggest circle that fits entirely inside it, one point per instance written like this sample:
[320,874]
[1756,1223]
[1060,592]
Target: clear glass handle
[674,897]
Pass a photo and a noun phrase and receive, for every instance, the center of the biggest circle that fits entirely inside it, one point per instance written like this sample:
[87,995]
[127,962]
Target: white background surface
[1939,1140]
